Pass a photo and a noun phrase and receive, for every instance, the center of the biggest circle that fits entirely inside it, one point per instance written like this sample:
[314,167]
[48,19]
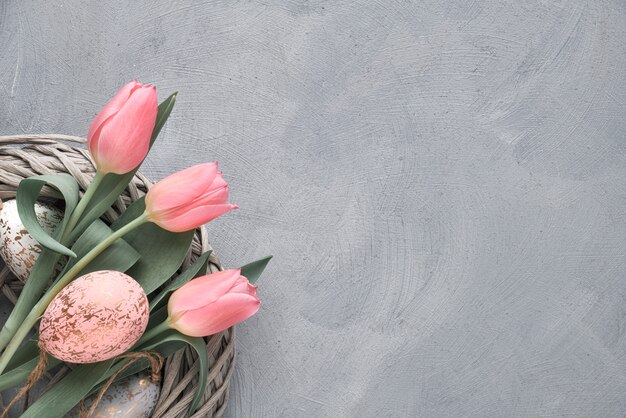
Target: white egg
[18,248]
[134,397]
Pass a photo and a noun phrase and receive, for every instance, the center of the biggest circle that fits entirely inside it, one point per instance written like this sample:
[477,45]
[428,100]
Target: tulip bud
[212,303]
[119,136]
[188,199]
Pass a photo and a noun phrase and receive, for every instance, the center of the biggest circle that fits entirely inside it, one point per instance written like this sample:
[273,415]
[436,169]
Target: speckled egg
[18,248]
[134,397]
[96,317]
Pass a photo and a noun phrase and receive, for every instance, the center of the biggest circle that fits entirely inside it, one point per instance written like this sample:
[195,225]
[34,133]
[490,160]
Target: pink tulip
[212,303]
[188,199]
[119,136]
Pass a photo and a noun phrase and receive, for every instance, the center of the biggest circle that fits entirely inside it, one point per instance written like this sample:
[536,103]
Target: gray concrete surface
[441,182]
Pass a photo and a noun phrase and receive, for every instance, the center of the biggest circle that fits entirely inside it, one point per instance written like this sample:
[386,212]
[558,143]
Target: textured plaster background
[441,182]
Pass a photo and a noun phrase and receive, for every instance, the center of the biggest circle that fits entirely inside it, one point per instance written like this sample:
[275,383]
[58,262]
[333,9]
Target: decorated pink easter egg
[96,317]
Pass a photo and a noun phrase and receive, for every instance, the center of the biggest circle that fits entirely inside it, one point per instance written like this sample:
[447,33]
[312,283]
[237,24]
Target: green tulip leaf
[28,351]
[157,317]
[252,271]
[162,252]
[166,347]
[27,194]
[120,256]
[167,344]
[19,374]
[114,184]
[41,272]
[68,392]
[21,364]
[198,268]
[44,267]
[199,345]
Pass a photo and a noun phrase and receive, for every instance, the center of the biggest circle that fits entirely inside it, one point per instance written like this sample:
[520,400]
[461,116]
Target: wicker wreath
[23,156]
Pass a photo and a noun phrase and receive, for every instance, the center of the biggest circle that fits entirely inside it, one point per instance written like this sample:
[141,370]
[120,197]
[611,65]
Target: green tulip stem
[82,204]
[153,332]
[40,307]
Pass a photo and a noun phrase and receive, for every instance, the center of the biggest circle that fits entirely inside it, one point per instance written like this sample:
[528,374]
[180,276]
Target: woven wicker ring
[23,156]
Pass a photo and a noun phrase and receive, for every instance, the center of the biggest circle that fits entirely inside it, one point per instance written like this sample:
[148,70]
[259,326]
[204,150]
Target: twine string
[156,364]
[33,377]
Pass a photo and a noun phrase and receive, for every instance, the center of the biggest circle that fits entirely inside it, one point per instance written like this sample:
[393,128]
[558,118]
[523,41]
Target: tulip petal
[111,108]
[219,181]
[124,140]
[228,311]
[180,188]
[202,291]
[193,218]
[214,196]
[242,285]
